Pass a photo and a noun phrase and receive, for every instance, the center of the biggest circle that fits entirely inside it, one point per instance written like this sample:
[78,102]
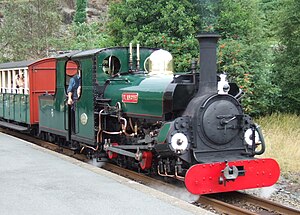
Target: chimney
[208,63]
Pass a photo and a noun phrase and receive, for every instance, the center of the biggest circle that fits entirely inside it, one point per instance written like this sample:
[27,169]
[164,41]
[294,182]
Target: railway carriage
[21,84]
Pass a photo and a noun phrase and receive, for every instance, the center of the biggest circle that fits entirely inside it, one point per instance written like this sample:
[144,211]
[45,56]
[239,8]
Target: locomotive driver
[74,90]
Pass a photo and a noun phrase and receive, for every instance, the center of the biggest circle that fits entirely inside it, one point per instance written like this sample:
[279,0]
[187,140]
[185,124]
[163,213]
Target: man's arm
[70,100]
[70,91]
[78,91]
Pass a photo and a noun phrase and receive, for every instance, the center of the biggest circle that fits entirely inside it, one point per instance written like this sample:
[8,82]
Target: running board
[13,126]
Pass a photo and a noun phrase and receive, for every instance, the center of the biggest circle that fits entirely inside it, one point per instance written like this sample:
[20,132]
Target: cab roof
[86,53]
[80,54]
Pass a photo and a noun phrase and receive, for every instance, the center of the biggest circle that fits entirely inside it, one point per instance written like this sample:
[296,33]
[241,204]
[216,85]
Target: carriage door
[72,86]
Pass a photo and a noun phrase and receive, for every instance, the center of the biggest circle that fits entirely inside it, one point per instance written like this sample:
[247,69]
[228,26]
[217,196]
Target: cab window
[72,69]
[111,65]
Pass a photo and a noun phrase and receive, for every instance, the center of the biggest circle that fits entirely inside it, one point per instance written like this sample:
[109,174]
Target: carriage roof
[18,64]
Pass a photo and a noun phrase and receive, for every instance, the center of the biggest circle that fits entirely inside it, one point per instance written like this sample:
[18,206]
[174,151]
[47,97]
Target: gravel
[286,191]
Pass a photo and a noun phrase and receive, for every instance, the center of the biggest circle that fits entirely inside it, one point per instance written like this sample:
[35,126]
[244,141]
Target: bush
[245,55]
[171,25]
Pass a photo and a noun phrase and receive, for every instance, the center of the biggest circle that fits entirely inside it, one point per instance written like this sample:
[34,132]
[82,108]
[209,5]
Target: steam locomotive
[133,110]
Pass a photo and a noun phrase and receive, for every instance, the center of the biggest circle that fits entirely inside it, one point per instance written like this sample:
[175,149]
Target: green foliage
[287,61]
[28,29]
[84,36]
[209,13]
[169,24]
[80,15]
[244,53]
[270,9]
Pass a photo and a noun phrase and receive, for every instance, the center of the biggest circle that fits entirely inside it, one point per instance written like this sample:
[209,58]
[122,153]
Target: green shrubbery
[171,25]
[245,55]
[287,57]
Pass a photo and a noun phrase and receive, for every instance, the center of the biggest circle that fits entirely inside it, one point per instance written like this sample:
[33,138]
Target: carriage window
[14,81]
[20,81]
[111,65]
[3,81]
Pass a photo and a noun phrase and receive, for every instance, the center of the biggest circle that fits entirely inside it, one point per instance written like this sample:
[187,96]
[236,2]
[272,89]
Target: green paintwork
[18,112]
[12,107]
[150,89]
[45,113]
[25,109]
[54,111]
[123,55]
[85,105]
[15,107]
[163,133]
[150,94]
[6,106]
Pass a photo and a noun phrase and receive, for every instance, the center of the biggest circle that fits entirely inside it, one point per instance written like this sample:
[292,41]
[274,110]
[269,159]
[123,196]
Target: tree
[80,15]
[165,24]
[287,61]
[271,9]
[244,53]
[28,28]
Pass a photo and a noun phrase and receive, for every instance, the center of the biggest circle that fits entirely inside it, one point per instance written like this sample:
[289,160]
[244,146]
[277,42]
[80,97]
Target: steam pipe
[208,63]
[138,57]
[130,57]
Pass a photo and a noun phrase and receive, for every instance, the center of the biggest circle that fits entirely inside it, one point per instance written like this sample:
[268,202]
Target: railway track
[242,203]
[218,202]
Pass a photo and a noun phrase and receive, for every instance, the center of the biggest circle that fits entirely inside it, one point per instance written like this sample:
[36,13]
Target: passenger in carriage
[20,80]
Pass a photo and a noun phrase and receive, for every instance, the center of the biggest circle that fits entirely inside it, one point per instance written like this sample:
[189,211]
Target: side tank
[140,95]
[152,93]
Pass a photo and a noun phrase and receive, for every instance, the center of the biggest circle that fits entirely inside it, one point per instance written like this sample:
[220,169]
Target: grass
[282,137]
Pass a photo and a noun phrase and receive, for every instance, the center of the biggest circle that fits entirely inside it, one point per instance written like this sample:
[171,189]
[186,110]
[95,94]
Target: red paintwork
[146,162]
[204,178]
[42,79]
[112,155]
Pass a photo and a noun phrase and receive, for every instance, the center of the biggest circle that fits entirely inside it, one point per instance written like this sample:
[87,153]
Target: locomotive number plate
[130,97]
